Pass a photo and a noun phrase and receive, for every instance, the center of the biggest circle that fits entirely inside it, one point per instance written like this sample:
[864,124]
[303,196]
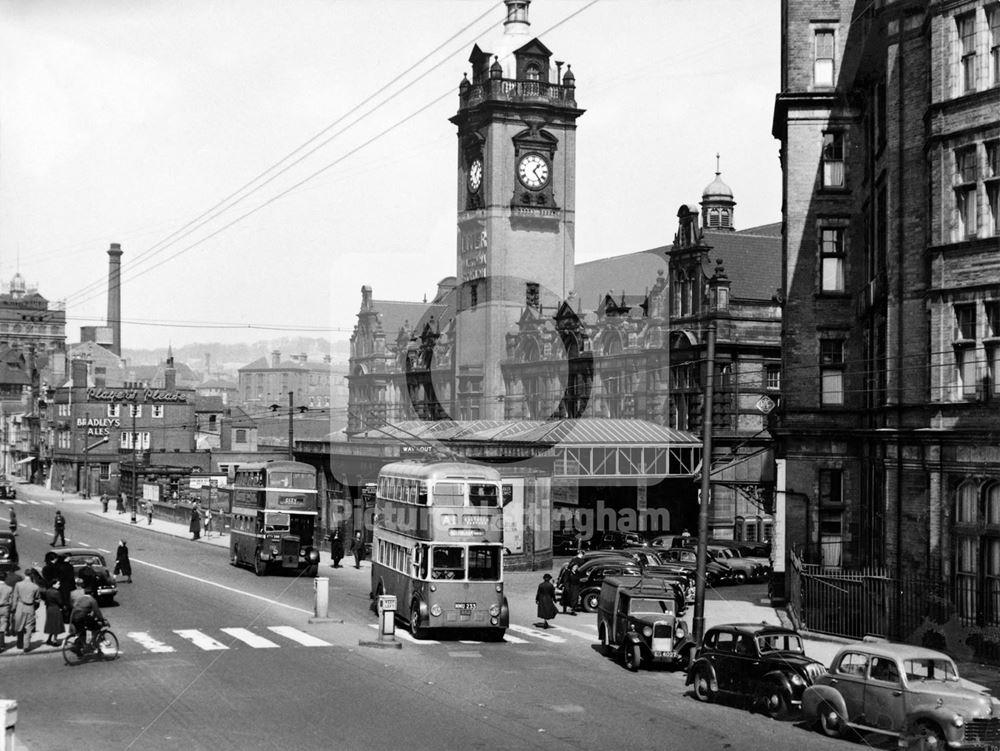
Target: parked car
[756,569]
[663,541]
[716,573]
[569,541]
[591,575]
[764,664]
[8,552]
[79,558]
[7,490]
[618,540]
[640,619]
[907,692]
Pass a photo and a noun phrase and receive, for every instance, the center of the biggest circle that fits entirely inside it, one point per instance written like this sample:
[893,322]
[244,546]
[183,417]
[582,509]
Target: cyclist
[86,616]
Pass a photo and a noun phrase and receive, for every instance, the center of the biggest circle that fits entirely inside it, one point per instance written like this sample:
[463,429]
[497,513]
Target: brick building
[889,122]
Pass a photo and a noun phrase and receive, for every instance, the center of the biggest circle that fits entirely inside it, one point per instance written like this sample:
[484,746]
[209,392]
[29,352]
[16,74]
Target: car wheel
[740,577]
[633,657]
[772,699]
[589,601]
[830,722]
[415,629]
[928,737]
[703,686]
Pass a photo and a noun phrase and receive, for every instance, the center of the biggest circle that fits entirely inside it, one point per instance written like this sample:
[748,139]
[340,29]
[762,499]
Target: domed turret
[717,203]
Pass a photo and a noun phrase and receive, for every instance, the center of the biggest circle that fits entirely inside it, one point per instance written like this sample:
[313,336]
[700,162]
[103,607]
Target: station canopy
[585,448]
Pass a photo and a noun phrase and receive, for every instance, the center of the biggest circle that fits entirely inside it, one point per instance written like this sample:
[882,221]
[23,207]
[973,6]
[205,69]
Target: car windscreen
[779,643]
[85,560]
[650,606]
[930,669]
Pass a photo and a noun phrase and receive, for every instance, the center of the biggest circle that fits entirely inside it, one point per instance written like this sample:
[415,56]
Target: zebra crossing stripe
[406,636]
[148,643]
[514,639]
[537,634]
[249,637]
[574,632]
[200,640]
[301,637]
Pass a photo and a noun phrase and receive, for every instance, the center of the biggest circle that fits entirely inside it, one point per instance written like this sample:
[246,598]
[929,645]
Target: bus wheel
[415,630]
[259,564]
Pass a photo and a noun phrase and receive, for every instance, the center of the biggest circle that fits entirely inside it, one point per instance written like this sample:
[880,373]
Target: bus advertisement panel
[438,546]
[274,510]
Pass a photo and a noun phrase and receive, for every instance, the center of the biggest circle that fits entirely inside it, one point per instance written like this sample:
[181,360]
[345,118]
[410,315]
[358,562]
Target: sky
[149,123]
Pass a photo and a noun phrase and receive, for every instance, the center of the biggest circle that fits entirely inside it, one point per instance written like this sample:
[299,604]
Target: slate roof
[632,273]
[752,262]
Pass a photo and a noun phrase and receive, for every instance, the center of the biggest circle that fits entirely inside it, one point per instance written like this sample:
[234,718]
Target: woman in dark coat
[122,564]
[545,598]
[195,523]
[54,625]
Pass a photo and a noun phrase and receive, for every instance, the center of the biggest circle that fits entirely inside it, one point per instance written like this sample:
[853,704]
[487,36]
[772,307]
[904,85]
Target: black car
[760,663]
[7,490]
[569,541]
[591,575]
[80,558]
[8,552]
[618,540]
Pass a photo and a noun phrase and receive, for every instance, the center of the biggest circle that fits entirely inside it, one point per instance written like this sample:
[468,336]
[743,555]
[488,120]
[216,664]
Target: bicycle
[103,645]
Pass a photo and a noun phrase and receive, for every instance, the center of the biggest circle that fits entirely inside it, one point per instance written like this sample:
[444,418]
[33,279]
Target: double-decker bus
[438,546]
[274,508]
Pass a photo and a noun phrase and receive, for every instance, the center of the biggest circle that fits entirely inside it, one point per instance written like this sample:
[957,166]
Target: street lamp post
[701,566]
[135,482]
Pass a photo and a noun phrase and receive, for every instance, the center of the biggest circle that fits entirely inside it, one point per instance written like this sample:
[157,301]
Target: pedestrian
[358,549]
[336,549]
[6,594]
[60,528]
[545,599]
[149,513]
[67,582]
[13,522]
[685,534]
[26,596]
[208,522]
[53,613]
[120,503]
[49,571]
[195,526]
[571,586]
[104,503]
[123,565]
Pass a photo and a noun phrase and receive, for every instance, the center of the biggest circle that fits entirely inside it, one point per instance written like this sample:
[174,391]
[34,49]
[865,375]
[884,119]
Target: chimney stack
[79,371]
[275,358]
[115,297]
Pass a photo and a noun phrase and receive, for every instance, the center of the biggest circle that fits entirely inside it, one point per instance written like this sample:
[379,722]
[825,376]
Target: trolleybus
[274,507]
[438,546]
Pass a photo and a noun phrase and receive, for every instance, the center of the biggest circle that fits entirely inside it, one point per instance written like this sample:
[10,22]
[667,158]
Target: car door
[850,677]
[725,659]
[885,703]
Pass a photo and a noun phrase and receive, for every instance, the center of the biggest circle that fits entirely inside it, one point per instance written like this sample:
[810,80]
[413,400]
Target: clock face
[533,171]
[475,175]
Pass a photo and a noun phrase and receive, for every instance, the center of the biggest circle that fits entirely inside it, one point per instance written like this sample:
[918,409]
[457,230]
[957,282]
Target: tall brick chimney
[79,369]
[115,297]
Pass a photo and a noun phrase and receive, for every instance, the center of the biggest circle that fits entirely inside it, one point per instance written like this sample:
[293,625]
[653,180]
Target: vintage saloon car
[761,663]
[8,552]
[640,618]
[89,558]
[910,693]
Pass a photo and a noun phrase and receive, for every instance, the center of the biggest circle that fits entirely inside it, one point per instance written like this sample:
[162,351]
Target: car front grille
[662,631]
[814,671]
[983,731]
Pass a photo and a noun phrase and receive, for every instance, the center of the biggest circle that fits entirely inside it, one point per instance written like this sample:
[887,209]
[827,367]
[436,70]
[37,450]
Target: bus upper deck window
[422,493]
[483,495]
[449,494]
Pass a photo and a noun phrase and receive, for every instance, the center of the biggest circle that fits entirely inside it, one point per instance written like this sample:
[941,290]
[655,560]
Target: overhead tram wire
[221,206]
[320,171]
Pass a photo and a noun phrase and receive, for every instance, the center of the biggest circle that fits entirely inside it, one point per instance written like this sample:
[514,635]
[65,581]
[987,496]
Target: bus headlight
[494,621]
[434,588]
[435,609]
[499,587]
[313,556]
[275,550]
[494,610]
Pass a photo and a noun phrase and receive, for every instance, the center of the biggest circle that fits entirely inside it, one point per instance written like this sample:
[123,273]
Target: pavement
[728,605]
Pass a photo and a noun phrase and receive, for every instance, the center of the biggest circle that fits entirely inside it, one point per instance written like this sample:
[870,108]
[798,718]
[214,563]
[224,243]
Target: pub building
[101,432]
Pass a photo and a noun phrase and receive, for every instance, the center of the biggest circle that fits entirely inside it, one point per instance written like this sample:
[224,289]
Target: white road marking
[574,632]
[200,639]
[249,637]
[306,640]
[538,634]
[514,639]
[148,642]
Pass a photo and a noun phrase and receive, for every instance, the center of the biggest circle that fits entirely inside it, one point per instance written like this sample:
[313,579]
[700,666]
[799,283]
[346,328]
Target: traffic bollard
[387,618]
[8,713]
[321,585]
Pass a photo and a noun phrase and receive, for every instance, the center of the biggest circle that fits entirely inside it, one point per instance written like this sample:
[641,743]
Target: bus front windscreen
[484,563]
[449,494]
[276,522]
[447,562]
[300,480]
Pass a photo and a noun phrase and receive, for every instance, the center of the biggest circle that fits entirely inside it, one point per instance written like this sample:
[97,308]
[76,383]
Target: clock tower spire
[516,172]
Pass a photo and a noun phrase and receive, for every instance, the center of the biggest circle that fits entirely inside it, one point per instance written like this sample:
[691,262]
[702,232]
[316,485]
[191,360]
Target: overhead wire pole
[291,429]
[135,481]
[698,620]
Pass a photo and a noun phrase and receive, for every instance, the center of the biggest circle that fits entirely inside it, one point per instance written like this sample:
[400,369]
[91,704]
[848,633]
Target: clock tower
[516,170]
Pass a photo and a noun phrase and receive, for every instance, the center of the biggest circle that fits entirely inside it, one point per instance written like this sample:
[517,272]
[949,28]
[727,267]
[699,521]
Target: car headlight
[435,609]
[958,721]
[680,630]
[494,610]
[647,631]
[796,680]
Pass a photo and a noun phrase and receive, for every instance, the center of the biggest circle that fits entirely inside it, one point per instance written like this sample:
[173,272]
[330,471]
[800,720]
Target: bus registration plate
[465,606]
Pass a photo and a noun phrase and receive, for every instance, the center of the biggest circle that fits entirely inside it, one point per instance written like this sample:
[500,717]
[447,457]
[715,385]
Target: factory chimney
[115,297]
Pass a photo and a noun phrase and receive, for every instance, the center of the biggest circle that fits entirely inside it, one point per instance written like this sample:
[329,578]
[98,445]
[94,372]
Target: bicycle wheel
[71,653]
[107,645]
